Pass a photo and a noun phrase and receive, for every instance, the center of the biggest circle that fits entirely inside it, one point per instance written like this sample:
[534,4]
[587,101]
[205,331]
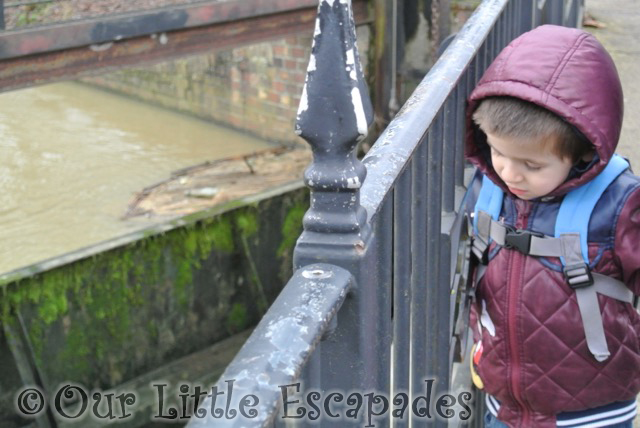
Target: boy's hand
[476,354]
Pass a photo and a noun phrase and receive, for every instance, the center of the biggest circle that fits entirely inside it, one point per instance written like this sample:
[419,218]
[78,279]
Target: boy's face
[528,168]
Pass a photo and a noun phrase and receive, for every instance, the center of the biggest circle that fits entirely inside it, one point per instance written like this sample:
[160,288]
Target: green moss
[219,235]
[247,222]
[76,355]
[82,318]
[238,318]
[122,273]
[31,14]
[292,228]
[191,245]
[96,294]
[184,252]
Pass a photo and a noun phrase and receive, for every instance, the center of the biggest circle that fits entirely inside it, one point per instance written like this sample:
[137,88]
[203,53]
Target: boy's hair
[515,118]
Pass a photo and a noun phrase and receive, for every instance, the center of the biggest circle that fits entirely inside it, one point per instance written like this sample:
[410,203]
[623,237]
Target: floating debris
[217,182]
[204,192]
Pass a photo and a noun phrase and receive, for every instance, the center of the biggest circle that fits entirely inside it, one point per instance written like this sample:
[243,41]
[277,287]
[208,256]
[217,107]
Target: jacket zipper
[515,289]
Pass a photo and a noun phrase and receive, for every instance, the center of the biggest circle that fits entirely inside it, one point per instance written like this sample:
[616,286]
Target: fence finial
[335,113]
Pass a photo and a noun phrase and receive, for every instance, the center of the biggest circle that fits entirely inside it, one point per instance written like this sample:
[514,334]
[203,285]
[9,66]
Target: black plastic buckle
[578,275]
[519,239]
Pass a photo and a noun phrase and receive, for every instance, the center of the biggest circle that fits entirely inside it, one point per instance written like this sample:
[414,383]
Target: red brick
[290,64]
[273,97]
[279,87]
[304,41]
[299,53]
[283,75]
[280,50]
[250,102]
[298,78]
[294,89]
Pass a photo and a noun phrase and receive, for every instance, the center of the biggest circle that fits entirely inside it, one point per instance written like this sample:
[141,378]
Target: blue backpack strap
[577,205]
[489,201]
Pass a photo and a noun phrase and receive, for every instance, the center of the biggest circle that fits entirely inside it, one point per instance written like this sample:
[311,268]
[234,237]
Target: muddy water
[72,156]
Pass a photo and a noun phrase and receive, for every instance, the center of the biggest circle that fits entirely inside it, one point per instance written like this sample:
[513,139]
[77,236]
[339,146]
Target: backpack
[569,244]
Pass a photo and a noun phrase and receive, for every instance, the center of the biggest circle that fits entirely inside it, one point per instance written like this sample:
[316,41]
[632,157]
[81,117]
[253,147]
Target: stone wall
[253,88]
[107,317]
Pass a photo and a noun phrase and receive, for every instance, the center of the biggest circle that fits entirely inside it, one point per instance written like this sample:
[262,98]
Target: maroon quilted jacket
[535,359]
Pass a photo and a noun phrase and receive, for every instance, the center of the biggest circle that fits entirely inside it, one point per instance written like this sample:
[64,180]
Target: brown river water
[72,156]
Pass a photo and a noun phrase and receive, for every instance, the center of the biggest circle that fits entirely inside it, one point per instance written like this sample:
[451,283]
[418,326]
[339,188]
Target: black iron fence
[370,329]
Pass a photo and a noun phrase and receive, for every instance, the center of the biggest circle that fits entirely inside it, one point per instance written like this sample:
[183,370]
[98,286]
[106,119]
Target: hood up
[566,71]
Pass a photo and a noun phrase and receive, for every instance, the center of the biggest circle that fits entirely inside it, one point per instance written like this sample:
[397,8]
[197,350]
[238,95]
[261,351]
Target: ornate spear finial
[335,113]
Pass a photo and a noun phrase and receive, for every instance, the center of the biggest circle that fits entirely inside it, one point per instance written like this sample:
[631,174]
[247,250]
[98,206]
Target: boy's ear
[588,157]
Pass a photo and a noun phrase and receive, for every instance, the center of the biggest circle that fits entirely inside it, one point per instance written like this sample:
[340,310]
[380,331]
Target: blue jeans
[491,421]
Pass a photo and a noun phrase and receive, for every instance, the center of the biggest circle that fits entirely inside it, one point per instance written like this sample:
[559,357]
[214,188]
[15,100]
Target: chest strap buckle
[519,239]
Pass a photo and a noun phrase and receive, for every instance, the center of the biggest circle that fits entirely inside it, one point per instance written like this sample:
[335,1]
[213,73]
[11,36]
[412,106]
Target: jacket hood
[566,71]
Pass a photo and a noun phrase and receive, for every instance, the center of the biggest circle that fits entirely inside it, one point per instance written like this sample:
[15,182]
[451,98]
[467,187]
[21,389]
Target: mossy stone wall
[105,319]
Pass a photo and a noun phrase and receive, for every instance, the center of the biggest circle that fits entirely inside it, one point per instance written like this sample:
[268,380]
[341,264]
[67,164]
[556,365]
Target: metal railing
[369,328]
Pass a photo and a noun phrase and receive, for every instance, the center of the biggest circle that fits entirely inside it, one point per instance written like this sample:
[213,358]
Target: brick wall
[253,88]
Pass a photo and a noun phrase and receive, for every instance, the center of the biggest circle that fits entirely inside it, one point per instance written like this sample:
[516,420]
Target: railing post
[528,15]
[2,24]
[334,115]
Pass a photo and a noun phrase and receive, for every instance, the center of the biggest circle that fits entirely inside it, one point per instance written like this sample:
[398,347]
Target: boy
[543,121]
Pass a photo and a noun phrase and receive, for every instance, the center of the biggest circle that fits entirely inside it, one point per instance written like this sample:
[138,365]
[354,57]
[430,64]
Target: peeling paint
[330,2]
[317,30]
[263,379]
[304,105]
[352,73]
[361,118]
[312,64]
[350,57]
[285,334]
[353,182]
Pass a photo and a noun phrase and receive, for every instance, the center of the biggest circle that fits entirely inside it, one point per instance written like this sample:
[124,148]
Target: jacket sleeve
[627,241]
[468,206]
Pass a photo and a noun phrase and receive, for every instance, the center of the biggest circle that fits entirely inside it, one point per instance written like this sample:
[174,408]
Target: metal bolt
[316,274]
